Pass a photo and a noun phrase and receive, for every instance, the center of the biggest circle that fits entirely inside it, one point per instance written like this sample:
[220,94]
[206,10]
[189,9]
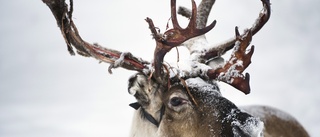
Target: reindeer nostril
[175,101]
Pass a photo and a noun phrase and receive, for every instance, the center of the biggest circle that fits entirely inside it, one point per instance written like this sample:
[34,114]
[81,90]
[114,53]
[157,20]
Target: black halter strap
[148,116]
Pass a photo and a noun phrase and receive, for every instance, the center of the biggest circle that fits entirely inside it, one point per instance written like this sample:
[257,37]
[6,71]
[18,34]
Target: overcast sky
[46,92]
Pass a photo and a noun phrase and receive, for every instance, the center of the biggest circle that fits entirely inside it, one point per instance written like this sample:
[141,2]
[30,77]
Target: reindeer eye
[175,101]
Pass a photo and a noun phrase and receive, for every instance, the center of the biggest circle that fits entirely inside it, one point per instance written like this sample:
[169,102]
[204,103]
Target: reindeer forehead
[206,92]
[203,86]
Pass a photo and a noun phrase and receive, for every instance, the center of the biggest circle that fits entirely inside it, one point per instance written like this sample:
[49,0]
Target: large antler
[72,37]
[227,45]
[175,36]
[231,72]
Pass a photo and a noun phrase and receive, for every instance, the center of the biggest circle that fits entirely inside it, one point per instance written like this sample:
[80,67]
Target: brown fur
[277,123]
[206,118]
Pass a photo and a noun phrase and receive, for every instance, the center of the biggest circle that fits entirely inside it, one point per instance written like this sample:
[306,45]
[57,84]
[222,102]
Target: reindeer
[175,102]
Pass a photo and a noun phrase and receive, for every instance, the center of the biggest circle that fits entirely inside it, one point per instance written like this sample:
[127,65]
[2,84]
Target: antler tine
[193,16]
[231,72]
[240,53]
[203,12]
[263,17]
[73,39]
[193,23]
[174,19]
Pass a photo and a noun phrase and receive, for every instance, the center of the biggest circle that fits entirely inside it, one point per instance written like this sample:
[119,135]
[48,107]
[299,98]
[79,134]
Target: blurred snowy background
[45,92]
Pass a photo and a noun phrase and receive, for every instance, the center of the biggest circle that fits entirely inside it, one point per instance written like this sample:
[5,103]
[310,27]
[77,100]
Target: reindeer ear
[138,86]
[134,83]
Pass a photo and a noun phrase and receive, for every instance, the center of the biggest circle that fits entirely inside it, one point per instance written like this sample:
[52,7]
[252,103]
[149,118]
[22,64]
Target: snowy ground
[46,92]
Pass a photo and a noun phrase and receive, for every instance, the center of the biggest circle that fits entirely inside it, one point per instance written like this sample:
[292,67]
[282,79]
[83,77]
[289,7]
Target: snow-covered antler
[175,36]
[204,10]
[63,16]
[231,71]
[227,45]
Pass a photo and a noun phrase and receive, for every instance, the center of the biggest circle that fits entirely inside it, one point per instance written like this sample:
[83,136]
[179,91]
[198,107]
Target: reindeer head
[198,109]
[192,100]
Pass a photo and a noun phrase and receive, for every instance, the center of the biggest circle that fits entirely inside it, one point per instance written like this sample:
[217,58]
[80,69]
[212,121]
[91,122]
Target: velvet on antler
[231,72]
[63,16]
[175,36]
